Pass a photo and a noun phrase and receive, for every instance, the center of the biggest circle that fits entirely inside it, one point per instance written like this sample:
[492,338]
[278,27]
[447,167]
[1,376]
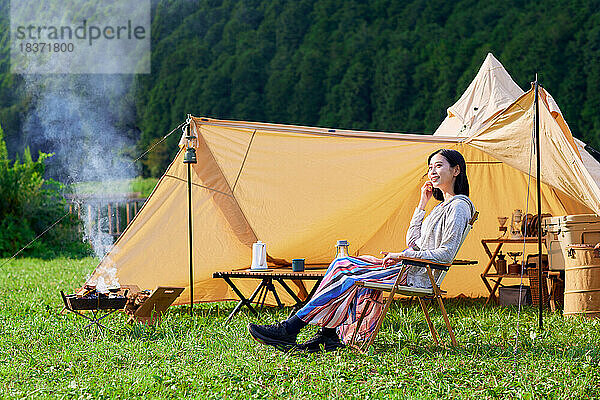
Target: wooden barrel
[582,281]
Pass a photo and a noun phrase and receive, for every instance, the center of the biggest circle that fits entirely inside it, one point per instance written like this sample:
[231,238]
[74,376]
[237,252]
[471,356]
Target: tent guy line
[157,143]
[516,346]
[35,239]
[483,162]
[68,212]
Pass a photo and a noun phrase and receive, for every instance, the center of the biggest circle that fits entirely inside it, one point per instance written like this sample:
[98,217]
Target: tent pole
[190,158]
[539,203]
[189,188]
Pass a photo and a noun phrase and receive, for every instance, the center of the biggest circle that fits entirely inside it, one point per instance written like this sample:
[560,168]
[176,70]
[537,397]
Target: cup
[502,221]
[501,266]
[298,264]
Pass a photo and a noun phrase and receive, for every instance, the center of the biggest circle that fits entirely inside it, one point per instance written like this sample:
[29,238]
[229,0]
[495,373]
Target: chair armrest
[420,262]
[464,262]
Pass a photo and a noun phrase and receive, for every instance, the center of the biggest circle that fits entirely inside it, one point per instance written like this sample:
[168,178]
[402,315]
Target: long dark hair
[461,184]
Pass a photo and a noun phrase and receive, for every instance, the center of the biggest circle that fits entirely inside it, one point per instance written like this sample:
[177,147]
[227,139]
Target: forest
[377,65]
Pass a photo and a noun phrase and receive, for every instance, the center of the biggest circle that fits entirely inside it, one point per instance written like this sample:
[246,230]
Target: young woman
[337,302]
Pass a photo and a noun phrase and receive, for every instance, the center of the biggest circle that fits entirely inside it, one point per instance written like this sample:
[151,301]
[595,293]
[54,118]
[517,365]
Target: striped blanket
[337,302]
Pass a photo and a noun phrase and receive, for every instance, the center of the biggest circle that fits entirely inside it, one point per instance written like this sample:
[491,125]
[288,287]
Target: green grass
[141,185]
[44,354]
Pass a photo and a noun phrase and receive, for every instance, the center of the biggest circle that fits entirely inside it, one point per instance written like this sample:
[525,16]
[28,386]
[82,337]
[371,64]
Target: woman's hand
[390,258]
[426,194]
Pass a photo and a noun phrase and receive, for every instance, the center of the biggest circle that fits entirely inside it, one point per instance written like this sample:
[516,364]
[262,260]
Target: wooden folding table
[266,277]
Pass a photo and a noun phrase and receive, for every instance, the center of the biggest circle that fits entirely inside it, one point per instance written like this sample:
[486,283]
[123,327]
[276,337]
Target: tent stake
[539,204]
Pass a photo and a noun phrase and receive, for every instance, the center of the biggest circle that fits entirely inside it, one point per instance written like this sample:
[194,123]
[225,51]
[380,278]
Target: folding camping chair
[433,293]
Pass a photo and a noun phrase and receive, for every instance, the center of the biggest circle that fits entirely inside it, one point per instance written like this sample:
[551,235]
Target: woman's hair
[461,184]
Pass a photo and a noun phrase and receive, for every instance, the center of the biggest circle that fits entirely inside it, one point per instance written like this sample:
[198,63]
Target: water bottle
[341,249]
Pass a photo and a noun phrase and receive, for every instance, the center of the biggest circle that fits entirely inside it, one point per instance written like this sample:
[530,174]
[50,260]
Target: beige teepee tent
[491,92]
[299,189]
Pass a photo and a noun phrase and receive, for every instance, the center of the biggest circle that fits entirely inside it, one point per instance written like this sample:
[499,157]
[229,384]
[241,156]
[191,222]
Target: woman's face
[441,174]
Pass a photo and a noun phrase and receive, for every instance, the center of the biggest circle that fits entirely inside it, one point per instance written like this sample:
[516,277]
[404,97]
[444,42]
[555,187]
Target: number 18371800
[42,47]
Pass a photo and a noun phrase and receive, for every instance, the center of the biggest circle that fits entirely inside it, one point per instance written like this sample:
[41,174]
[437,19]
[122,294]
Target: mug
[298,264]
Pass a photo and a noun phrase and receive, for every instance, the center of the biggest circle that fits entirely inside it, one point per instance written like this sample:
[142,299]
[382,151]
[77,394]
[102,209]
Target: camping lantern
[515,224]
[190,143]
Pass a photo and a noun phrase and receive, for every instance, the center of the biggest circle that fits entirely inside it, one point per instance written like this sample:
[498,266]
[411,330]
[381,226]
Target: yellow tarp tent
[299,189]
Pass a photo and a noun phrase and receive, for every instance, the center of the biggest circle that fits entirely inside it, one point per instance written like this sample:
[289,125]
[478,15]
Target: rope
[515,349]
[157,143]
[36,238]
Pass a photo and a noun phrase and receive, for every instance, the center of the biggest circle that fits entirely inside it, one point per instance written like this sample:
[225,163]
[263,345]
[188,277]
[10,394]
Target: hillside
[380,64]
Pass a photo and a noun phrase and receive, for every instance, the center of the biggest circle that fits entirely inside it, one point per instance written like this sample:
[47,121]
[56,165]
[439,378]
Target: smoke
[78,76]
[105,277]
[83,120]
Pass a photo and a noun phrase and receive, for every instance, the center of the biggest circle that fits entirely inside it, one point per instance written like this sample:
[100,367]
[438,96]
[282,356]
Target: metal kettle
[259,256]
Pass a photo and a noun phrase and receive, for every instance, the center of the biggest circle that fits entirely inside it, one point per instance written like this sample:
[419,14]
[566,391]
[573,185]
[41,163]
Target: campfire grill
[94,304]
[72,302]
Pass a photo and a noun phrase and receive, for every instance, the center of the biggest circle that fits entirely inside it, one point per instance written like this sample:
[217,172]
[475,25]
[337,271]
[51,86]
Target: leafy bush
[29,205]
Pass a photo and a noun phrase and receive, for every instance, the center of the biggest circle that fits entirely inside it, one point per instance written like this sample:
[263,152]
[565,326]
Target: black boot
[282,335]
[274,335]
[325,339]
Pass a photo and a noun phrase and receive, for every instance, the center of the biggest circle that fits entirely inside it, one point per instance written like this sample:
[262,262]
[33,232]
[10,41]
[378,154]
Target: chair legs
[429,323]
[437,295]
[363,348]
[450,331]
[364,312]
[353,341]
[380,320]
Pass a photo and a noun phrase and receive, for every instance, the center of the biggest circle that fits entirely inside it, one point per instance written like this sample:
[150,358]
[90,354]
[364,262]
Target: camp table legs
[263,289]
[299,303]
[266,285]
[243,301]
[493,290]
[290,291]
[555,281]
